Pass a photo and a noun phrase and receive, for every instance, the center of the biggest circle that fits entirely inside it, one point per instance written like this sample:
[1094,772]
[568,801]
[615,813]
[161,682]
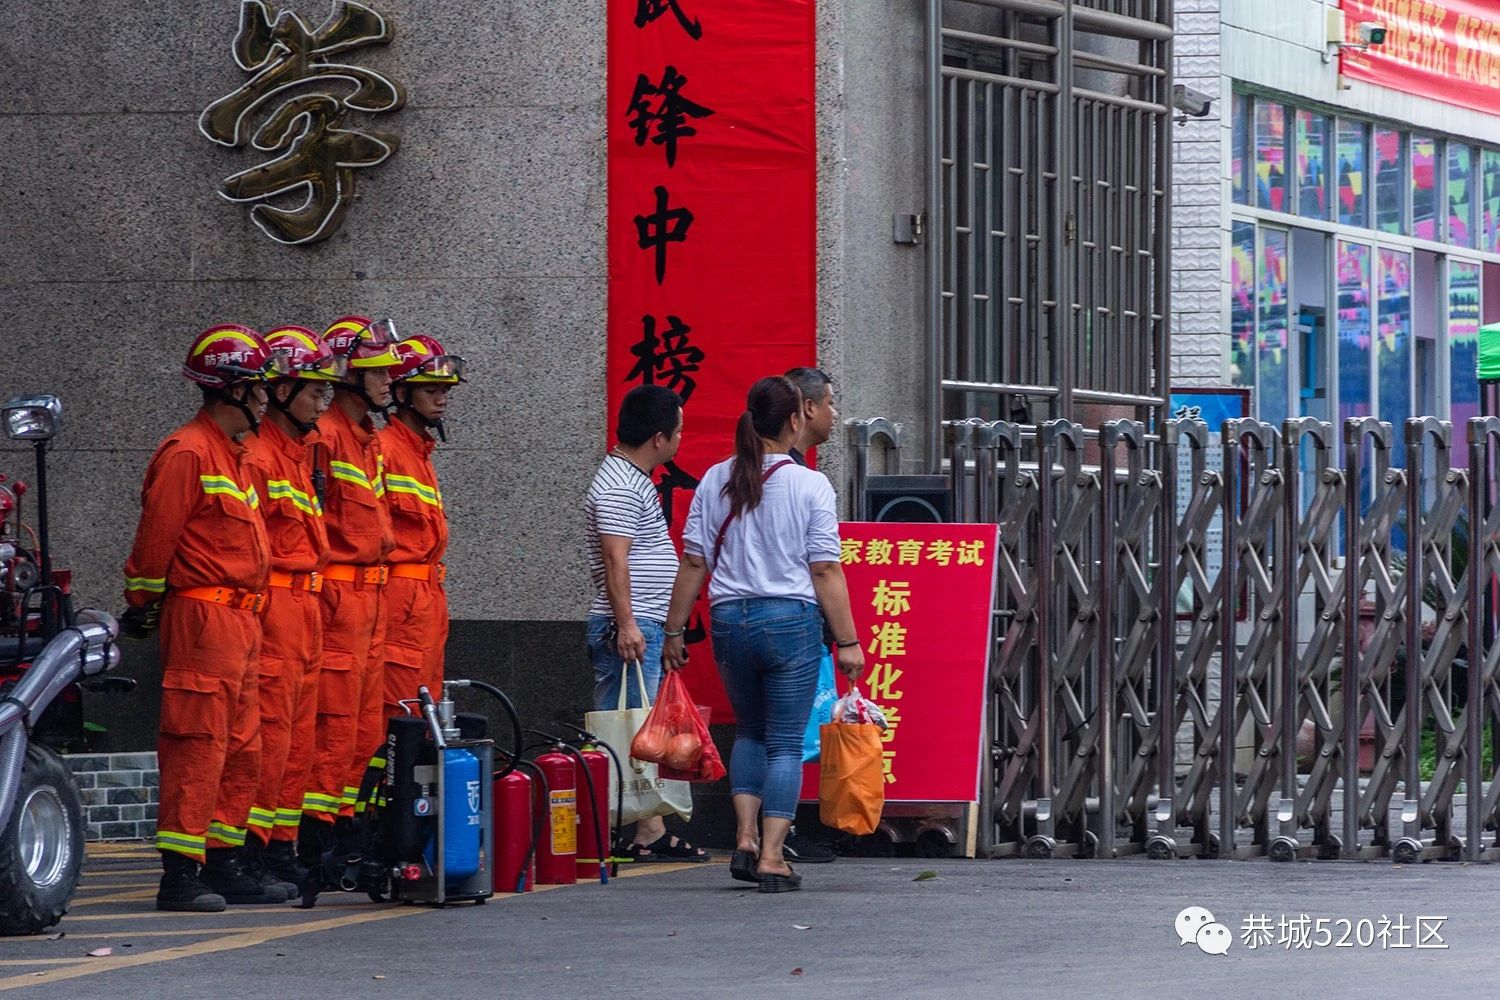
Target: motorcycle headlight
[32,418]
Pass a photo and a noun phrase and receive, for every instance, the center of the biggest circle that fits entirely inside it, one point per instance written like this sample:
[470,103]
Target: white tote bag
[646,794]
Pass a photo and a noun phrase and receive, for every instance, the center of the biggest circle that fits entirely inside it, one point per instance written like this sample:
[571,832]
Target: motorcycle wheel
[41,848]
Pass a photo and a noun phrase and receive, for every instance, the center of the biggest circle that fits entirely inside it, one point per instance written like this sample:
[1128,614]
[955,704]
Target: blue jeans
[608,667]
[768,650]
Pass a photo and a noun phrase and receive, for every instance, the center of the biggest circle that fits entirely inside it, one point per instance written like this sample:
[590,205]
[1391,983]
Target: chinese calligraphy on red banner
[922,596]
[1448,50]
[712,224]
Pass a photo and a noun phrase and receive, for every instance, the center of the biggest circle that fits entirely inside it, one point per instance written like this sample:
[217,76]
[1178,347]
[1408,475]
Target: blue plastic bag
[822,710]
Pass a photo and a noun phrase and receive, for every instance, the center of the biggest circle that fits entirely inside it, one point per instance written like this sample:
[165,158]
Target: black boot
[279,860]
[182,890]
[225,875]
[253,860]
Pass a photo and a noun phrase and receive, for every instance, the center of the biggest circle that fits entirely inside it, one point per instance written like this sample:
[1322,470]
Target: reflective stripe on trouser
[291,644]
[208,744]
[351,617]
[416,632]
[370,735]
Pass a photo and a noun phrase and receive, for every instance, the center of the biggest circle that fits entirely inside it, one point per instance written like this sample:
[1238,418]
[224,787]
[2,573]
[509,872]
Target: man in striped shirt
[634,563]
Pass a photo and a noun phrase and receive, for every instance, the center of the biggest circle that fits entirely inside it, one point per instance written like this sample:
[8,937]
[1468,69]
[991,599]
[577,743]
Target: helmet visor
[278,365]
[327,369]
[444,368]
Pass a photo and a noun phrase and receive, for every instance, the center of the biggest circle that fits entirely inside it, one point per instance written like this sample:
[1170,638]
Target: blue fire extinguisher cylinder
[461,815]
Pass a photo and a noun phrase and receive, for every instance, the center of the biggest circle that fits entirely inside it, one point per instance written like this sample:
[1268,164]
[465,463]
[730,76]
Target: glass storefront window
[1463,351]
[1272,324]
[1354,333]
[1242,303]
[1460,196]
[1424,216]
[1353,140]
[1390,181]
[1393,360]
[1240,154]
[1312,165]
[1489,200]
[1270,156]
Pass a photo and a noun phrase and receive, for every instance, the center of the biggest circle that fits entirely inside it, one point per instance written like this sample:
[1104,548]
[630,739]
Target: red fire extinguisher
[515,867]
[593,816]
[557,854]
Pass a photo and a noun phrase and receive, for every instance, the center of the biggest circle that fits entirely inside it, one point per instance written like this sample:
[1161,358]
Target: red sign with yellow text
[922,596]
[1447,50]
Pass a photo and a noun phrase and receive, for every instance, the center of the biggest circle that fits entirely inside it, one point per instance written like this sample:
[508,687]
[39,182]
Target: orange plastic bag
[851,781]
[675,736]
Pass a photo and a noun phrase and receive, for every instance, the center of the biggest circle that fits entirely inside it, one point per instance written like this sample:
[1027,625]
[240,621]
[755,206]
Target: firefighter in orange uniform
[199,567]
[292,626]
[416,604]
[350,689]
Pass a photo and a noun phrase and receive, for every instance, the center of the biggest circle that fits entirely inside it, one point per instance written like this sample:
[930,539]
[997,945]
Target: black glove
[139,623]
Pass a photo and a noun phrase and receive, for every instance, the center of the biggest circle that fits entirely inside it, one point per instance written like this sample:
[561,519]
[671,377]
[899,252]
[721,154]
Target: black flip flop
[742,866]
[780,883]
[663,849]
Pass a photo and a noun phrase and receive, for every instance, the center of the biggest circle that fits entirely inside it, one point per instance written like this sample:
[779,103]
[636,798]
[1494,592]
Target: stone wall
[119,793]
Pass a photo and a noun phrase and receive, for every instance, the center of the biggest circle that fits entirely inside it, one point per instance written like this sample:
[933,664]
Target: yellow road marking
[99,849]
[243,939]
[117,897]
[122,871]
[46,961]
[71,935]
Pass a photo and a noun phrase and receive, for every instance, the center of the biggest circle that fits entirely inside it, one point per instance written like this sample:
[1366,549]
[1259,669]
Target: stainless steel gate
[1293,655]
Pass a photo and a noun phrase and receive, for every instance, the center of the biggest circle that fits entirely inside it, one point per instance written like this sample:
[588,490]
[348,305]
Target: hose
[510,710]
[536,822]
[614,868]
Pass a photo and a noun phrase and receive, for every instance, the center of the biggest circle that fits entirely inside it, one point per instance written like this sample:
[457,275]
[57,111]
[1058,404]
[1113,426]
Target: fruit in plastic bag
[683,751]
[650,743]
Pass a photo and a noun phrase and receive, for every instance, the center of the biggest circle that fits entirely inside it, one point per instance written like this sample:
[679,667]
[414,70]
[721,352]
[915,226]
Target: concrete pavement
[860,928]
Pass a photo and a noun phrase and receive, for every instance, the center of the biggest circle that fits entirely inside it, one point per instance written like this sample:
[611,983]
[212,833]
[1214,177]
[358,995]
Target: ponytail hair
[770,403]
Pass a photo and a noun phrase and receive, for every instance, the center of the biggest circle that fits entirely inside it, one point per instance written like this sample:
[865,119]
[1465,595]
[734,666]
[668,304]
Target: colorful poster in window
[1424,187]
[1447,50]
[1354,333]
[1352,142]
[1460,195]
[1489,200]
[710,118]
[1242,303]
[1390,181]
[1312,165]
[922,597]
[1240,148]
[1463,347]
[1393,362]
[1270,156]
[1273,403]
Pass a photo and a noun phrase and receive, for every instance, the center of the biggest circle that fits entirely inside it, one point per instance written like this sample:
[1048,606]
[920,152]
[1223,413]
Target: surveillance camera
[1371,33]
[1193,103]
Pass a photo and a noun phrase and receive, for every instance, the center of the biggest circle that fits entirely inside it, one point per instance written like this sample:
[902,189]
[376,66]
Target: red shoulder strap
[724,528]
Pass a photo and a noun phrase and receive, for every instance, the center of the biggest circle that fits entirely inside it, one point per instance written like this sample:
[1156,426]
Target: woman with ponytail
[764,530]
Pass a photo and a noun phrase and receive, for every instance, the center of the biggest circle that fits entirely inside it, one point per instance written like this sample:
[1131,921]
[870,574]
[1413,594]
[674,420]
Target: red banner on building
[712,223]
[1448,51]
[922,596]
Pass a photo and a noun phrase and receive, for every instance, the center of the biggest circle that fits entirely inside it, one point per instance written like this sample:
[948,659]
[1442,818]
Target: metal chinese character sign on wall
[318,148]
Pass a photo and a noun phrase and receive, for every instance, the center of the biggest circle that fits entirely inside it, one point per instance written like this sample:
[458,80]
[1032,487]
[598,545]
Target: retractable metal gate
[1290,655]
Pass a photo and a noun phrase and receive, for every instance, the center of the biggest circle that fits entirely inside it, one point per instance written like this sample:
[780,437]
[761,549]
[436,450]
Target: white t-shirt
[623,501]
[766,550]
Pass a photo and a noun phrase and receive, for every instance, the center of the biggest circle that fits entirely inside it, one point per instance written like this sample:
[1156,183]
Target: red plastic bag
[675,736]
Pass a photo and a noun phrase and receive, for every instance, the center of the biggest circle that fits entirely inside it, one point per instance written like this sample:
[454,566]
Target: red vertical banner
[712,224]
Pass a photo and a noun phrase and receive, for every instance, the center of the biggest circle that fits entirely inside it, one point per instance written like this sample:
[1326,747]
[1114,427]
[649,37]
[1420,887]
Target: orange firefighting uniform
[291,650]
[351,723]
[202,546]
[416,604]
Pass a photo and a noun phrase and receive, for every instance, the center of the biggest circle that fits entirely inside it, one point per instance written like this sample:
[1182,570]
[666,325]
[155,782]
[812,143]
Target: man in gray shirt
[633,564]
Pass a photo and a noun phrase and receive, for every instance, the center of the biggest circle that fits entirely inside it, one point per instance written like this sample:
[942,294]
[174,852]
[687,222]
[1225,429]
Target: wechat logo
[1195,925]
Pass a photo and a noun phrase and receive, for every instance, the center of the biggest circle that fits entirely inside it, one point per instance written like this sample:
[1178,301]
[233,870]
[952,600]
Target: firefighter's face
[429,401]
[305,406]
[377,385]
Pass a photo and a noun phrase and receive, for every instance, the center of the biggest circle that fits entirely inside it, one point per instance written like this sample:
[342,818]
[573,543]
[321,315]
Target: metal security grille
[1049,179]
[1291,655]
